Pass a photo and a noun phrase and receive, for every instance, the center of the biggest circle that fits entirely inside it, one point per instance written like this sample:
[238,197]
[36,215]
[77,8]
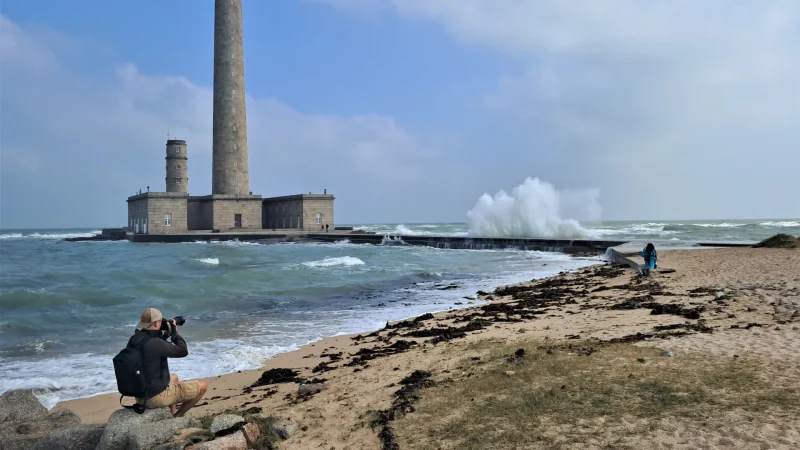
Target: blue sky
[408,110]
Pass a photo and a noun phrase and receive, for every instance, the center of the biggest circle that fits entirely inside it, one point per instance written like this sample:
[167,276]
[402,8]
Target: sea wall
[574,246]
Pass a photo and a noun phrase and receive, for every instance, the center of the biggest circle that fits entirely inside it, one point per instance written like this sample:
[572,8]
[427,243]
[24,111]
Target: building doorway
[237,220]
[144,227]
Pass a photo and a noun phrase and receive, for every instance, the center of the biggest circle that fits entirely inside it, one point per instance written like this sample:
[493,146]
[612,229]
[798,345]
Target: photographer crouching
[162,388]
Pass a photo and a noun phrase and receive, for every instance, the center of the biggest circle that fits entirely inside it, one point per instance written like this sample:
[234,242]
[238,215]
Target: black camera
[166,325]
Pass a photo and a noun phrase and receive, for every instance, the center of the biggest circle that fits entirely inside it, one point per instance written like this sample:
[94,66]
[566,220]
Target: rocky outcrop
[225,422]
[235,441]
[121,422]
[20,405]
[184,438]
[26,425]
[80,437]
[24,421]
[146,435]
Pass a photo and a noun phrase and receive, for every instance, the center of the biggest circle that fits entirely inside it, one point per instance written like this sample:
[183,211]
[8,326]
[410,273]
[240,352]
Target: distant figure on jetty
[164,388]
[650,259]
[326,227]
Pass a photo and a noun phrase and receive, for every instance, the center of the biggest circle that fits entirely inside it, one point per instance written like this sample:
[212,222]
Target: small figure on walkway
[326,227]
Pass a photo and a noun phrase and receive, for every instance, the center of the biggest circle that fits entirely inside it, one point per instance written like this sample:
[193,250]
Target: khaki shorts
[174,394]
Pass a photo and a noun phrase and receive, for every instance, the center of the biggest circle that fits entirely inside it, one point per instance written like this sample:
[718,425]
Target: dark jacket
[154,357]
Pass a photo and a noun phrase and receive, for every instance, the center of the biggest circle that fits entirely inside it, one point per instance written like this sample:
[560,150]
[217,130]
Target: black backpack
[129,370]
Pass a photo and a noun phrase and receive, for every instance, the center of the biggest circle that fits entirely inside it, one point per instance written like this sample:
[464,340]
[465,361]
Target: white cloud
[704,91]
[105,134]
[19,50]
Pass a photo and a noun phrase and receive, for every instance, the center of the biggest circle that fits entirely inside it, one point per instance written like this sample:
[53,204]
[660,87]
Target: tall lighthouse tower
[230,173]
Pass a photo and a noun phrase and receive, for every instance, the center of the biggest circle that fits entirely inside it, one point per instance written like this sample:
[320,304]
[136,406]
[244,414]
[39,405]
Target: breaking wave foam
[786,224]
[209,261]
[331,262]
[534,209]
[47,235]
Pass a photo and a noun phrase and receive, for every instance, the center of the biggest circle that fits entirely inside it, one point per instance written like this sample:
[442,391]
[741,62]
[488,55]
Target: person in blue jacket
[650,257]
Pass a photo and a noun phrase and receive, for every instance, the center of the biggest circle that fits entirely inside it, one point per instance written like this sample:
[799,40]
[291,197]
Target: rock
[666,353]
[23,434]
[146,435]
[782,310]
[115,436]
[184,438]
[284,428]
[510,372]
[235,441]
[309,389]
[20,405]
[251,432]
[172,445]
[225,422]
[80,437]
[188,433]
[796,313]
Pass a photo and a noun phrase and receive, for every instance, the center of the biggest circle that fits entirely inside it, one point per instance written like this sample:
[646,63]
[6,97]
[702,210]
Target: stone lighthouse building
[177,167]
[231,206]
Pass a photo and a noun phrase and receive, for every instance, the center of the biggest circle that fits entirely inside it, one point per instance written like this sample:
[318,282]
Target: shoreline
[718,304]
[86,407]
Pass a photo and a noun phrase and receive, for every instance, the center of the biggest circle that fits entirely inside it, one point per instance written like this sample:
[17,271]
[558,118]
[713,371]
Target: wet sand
[719,302]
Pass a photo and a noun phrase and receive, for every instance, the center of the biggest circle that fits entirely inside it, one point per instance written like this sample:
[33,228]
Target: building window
[237,220]
[284,222]
[167,219]
[319,218]
[178,180]
[298,222]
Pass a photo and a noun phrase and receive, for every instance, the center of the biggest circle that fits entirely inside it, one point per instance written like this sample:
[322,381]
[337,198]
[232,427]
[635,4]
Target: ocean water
[684,231]
[67,308]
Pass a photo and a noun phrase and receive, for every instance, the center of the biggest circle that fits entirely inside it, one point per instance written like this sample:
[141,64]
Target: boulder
[184,438]
[23,434]
[309,389]
[251,432]
[146,435]
[115,436]
[284,428]
[20,405]
[190,433]
[80,437]
[235,441]
[171,445]
[224,422]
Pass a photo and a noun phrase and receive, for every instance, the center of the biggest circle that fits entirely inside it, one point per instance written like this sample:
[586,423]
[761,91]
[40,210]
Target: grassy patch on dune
[575,394]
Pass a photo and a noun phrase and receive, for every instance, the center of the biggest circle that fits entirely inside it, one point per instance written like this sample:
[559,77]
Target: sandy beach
[718,305]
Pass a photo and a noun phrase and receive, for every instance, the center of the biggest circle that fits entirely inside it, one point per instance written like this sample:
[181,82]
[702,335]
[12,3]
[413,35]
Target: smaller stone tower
[177,167]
